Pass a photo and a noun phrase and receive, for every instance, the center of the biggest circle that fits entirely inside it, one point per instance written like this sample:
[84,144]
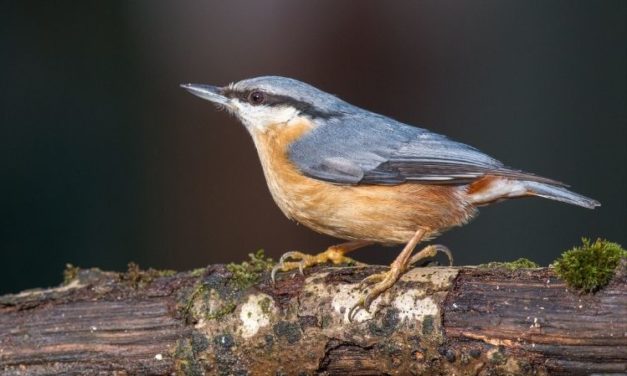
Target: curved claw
[354,309]
[275,268]
[292,254]
[287,266]
[284,265]
[446,251]
[432,251]
[363,303]
[295,255]
[366,301]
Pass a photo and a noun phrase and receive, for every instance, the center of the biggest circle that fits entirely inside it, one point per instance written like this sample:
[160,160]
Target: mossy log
[435,321]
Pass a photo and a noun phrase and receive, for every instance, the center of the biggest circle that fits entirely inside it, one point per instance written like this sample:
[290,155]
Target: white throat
[258,118]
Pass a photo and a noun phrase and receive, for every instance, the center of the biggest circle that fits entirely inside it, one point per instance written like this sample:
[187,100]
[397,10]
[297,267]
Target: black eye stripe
[280,100]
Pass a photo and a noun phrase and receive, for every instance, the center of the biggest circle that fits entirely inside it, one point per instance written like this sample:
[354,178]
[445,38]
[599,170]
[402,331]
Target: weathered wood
[435,321]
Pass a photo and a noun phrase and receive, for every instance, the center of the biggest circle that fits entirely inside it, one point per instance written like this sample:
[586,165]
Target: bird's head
[263,101]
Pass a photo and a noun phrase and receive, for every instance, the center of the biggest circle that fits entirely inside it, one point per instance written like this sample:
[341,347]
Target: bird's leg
[385,280]
[335,254]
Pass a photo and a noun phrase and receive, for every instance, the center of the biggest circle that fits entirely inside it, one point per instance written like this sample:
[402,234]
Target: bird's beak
[208,92]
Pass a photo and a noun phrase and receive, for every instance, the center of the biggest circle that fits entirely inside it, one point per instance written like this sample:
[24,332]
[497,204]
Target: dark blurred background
[105,160]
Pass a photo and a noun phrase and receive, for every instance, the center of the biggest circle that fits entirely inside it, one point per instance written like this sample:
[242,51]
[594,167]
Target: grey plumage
[361,147]
[560,194]
[350,145]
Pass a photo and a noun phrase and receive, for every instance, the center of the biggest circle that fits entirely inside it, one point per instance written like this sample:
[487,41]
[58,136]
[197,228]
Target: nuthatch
[363,177]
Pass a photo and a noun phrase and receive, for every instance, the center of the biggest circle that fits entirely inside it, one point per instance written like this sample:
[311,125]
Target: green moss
[202,294]
[590,266]
[163,273]
[497,357]
[197,272]
[247,273]
[188,301]
[185,361]
[138,278]
[521,263]
[70,273]
[227,308]
[264,304]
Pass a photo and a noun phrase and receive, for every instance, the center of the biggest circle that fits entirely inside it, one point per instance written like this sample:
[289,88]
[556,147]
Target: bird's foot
[301,260]
[384,280]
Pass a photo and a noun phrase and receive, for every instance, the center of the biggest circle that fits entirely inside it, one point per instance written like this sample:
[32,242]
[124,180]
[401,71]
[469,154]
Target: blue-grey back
[361,147]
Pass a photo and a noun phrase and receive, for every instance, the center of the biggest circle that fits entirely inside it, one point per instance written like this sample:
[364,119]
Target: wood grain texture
[435,321]
[532,312]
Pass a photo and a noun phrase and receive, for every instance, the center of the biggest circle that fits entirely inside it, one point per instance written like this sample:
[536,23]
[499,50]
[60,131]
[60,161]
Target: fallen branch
[434,321]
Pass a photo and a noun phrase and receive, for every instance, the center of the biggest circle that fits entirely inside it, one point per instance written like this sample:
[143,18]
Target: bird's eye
[256,97]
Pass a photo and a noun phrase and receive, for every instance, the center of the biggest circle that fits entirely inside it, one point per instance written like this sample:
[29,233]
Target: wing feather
[367,148]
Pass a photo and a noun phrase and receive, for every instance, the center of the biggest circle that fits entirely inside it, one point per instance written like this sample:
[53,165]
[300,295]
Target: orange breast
[383,214]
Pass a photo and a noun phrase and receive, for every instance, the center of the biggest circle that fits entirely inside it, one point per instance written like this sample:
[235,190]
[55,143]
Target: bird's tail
[559,194]
[495,188]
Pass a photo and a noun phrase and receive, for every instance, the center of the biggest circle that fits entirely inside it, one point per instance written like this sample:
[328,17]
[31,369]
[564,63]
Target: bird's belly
[383,214]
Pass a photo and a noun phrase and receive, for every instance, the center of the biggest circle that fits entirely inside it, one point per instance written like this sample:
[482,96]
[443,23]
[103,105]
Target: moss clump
[70,273]
[247,273]
[521,263]
[590,266]
[162,273]
[198,272]
[214,287]
[138,278]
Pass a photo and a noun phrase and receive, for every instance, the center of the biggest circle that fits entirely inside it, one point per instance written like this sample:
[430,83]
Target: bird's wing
[374,149]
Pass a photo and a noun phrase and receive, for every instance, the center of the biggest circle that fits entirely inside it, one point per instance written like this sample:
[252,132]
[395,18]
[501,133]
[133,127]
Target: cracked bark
[435,321]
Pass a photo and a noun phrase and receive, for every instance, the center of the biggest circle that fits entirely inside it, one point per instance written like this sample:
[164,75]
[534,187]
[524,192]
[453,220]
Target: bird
[363,177]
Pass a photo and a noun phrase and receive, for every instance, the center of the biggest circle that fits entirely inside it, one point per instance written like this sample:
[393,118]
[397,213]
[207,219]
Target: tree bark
[434,321]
